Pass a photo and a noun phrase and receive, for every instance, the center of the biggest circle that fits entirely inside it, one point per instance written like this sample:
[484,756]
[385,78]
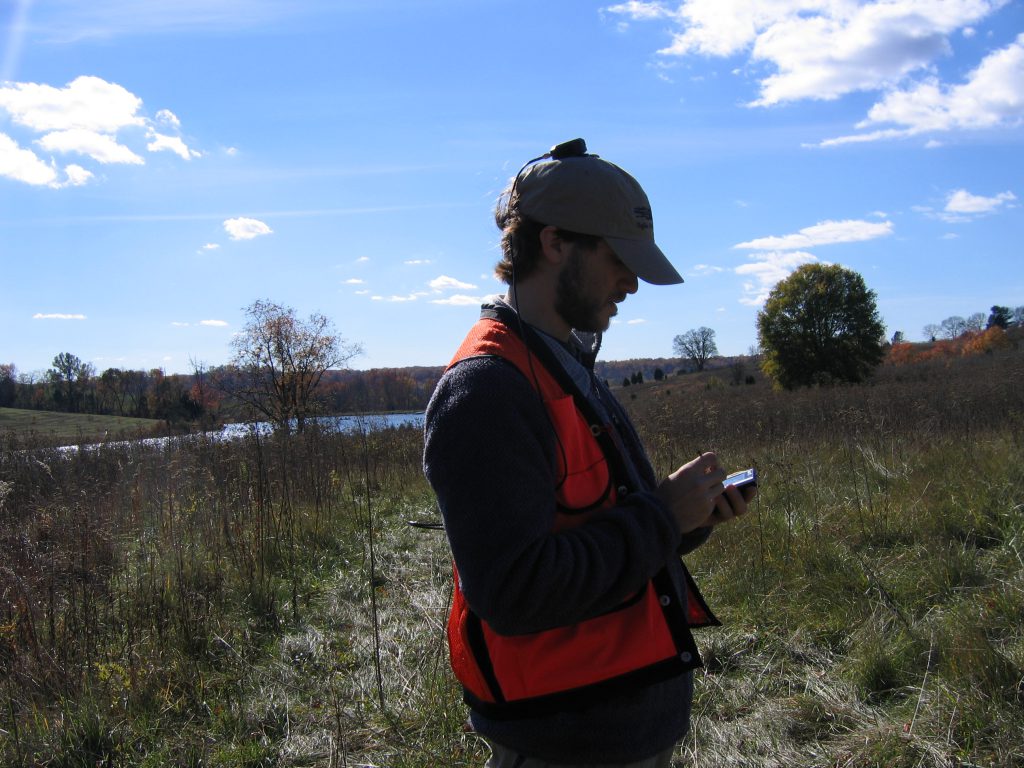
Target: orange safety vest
[644,640]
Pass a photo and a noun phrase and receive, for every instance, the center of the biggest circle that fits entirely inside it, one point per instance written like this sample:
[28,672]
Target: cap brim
[645,259]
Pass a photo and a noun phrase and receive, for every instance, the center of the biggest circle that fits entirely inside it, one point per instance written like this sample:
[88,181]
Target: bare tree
[698,344]
[953,327]
[976,322]
[281,360]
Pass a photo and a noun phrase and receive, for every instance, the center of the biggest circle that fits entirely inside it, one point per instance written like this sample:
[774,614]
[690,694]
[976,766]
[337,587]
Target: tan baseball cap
[589,195]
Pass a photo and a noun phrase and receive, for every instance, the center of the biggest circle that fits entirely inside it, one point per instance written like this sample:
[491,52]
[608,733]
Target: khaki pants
[507,758]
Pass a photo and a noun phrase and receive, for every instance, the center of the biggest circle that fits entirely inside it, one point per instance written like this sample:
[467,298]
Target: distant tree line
[285,369]
[206,395]
[820,326]
[955,326]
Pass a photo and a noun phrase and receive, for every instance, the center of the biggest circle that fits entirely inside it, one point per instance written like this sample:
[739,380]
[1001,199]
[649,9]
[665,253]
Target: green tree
[281,360]
[820,325]
[70,377]
[1001,316]
[697,344]
[8,385]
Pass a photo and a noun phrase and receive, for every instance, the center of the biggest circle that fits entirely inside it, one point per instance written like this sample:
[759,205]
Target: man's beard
[580,311]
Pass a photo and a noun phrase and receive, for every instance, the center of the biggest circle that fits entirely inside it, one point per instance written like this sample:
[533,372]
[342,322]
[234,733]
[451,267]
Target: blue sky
[163,164]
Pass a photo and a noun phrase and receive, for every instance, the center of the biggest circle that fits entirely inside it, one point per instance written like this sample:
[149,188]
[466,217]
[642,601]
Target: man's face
[590,285]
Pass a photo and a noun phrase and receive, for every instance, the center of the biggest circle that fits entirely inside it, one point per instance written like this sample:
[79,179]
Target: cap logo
[643,217]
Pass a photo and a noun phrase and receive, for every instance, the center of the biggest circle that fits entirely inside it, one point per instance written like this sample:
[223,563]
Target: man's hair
[520,239]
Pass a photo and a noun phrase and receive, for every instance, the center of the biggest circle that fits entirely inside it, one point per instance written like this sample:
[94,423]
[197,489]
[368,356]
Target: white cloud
[246,229]
[214,323]
[445,283]
[637,321]
[354,281]
[99,146]
[86,103]
[766,270]
[963,202]
[211,246]
[641,11]
[168,117]
[705,269]
[398,299]
[176,324]
[459,300]
[23,164]
[962,206]
[817,49]
[416,262]
[56,316]
[87,117]
[825,49]
[991,96]
[159,142]
[77,175]
[825,233]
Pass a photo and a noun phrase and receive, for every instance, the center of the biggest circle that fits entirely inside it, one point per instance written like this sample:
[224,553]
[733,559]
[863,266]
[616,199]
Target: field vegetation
[56,428]
[265,601]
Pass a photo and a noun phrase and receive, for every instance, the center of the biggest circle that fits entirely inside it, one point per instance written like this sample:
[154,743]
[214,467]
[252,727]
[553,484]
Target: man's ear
[553,247]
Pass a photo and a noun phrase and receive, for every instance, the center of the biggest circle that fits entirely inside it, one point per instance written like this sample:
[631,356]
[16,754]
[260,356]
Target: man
[570,624]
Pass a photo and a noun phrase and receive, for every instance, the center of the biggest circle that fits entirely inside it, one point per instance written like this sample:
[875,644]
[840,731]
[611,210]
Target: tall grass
[874,602]
[264,602]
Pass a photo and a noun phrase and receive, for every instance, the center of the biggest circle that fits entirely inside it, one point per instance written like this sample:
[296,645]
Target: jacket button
[686,656]
[664,599]
[623,490]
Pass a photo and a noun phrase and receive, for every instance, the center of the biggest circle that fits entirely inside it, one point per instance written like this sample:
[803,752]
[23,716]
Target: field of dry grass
[264,602]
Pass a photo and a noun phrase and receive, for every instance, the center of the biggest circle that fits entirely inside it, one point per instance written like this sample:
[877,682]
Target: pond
[352,423]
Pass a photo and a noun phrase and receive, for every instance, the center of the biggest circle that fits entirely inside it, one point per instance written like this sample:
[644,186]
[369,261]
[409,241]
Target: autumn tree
[820,325]
[697,344]
[281,360]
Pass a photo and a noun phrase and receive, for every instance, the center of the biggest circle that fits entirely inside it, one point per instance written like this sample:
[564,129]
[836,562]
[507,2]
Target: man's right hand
[695,495]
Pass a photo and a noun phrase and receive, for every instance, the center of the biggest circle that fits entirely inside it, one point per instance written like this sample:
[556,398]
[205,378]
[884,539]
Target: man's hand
[697,498]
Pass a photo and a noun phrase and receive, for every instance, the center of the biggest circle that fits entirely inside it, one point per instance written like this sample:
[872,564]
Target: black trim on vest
[478,647]
[583,698]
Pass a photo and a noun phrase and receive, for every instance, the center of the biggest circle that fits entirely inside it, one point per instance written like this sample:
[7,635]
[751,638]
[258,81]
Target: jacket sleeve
[489,456]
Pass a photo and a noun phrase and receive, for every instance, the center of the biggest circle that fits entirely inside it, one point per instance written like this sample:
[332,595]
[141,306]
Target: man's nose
[629,281]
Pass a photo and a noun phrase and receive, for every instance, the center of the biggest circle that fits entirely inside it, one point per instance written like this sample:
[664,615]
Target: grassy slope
[54,428]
